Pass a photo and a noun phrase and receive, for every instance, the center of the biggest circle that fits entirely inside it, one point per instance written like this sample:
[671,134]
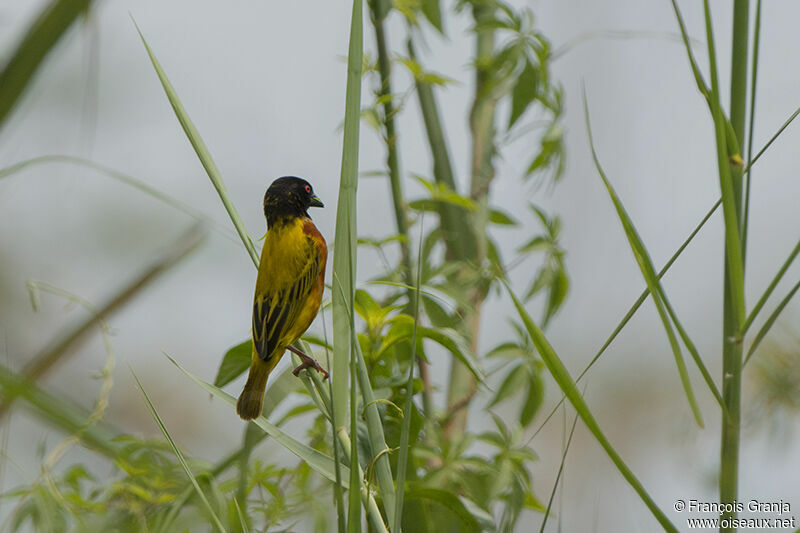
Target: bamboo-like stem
[457,229]
[378,11]
[732,313]
[378,15]
[462,385]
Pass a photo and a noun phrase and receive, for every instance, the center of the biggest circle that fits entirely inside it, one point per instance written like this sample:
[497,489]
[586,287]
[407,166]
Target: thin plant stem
[733,298]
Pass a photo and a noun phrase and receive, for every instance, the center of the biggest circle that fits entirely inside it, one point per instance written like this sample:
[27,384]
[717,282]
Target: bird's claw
[307,362]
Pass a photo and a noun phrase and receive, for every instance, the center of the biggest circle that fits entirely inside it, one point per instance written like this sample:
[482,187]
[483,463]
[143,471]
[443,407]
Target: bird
[289,286]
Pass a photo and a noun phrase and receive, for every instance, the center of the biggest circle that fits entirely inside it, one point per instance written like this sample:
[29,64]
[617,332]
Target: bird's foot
[307,362]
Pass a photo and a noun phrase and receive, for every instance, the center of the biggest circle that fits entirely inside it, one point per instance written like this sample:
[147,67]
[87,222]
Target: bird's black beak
[316,202]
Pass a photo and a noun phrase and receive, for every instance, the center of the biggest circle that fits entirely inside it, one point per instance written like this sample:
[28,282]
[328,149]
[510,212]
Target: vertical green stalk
[733,307]
[344,264]
[344,254]
[379,9]
[462,384]
[353,506]
[753,77]
[457,229]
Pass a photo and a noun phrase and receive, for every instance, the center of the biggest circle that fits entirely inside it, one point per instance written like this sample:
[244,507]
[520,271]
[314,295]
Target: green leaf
[501,218]
[538,243]
[433,12]
[235,363]
[524,92]
[438,316]
[559,285]
[551,149]
[446,499]
[507,350]
[513,382]
[403,329]
[533,400]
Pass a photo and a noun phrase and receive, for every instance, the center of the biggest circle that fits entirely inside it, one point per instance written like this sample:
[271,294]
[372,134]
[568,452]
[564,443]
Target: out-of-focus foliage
[454,481]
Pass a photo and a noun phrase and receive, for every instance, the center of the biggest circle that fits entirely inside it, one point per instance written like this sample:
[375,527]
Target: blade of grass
[642,297]
[42,36]
[567,385]
[770,321]
[178,454]
[770,288]
[635,307]
[730,205]
[377,440]
[753,86]
[353,507]
[402,460]
[321,463]
[342,439]
[648,272]
[344,256]
[56,350]
[344,262]
[202,151]
[687,341]
[123,178]
[242,520]
[277,391]
[560,471]
[61,413]
[373,512]
[318,461]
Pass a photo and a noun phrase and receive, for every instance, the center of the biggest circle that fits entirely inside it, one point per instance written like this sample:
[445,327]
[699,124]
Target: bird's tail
[251,401]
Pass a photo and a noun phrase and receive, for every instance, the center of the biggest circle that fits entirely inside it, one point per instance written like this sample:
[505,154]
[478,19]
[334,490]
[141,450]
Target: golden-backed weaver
[291,278]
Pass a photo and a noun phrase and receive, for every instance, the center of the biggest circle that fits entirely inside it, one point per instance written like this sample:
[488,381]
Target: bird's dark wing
[275,311]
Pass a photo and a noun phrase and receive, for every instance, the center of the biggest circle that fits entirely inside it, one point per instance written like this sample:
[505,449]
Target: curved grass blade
[178,454]
[646,291]
[202,152]
[127,179]
[61,413]
[318,461]
[560,471]
[45,32]
[770,321]
[770,288]
[648,272]
[570,389]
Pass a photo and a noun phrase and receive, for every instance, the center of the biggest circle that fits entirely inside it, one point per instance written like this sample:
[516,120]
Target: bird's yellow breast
[284,256]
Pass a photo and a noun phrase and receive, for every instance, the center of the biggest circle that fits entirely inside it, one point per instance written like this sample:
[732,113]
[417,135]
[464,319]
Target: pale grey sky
[264,84]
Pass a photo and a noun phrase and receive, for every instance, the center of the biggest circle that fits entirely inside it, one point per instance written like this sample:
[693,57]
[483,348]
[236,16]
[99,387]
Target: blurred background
[264,83]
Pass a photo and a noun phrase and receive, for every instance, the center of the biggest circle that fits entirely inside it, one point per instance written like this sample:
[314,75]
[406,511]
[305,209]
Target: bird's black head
[288,197]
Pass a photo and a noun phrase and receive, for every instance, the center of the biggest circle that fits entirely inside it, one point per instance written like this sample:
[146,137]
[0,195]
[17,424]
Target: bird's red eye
[308,189]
